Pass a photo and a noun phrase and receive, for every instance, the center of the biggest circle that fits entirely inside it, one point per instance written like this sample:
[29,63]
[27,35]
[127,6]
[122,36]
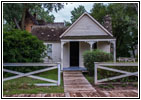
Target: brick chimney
[108,23]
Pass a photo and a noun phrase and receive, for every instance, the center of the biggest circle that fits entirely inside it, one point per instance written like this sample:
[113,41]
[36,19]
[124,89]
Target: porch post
[114,50]
[62,43]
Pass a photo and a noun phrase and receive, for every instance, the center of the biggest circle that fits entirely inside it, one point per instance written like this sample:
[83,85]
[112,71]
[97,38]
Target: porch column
[114,50]
[91,44]
[62,44]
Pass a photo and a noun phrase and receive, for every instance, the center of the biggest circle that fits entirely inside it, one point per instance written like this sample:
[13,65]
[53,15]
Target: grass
[24,85]
[89,78]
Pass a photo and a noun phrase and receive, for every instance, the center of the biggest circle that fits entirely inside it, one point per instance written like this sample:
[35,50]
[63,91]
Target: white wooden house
[68,44]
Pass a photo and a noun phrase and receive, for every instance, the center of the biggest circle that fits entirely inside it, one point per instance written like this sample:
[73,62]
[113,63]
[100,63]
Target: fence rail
[30,74]
[102,66]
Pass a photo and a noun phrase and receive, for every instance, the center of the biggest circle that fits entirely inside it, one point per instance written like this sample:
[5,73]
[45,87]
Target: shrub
[21,46]
[95,56]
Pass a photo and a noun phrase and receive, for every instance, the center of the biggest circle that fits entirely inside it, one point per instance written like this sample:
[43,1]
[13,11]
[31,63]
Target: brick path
[76,83]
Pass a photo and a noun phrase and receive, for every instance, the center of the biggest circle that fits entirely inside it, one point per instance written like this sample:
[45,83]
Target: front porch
[84,44]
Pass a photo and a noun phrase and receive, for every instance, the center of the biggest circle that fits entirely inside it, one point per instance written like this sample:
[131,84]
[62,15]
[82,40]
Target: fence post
[95,72]
[59,74]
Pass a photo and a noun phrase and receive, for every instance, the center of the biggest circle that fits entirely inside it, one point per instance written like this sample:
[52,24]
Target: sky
[65,13]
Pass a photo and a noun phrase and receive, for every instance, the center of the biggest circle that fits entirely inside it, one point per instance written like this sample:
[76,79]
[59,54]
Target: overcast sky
[65,13]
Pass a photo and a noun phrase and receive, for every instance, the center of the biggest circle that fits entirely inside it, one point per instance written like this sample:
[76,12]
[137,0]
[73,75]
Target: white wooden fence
[30,74]
[102,66]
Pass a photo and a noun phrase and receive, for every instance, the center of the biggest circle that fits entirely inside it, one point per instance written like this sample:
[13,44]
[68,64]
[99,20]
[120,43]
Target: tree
[98,11]
[77,12]
[17,11]
[124,24]
[67,23]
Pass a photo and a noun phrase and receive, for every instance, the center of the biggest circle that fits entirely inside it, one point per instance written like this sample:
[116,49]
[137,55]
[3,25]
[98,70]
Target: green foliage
[16,11]
[77,12]
[9,12]
[95,56]
[67,23]
[124,24]
[42,14]
[98,12]
[21,46]
[109,86]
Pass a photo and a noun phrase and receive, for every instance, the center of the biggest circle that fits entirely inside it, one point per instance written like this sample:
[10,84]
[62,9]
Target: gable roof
[97,23]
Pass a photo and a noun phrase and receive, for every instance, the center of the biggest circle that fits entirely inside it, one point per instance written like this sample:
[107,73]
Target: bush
[21,46]
[95,56]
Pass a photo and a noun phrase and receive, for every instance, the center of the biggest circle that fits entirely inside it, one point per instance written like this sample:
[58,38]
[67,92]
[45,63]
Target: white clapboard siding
[85,27]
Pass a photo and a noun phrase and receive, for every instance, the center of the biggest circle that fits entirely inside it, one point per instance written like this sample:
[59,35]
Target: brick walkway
[75,82]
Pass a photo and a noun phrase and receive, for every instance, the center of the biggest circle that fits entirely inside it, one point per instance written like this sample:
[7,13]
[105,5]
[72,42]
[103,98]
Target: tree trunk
[15,21]
[23,20]
[23,17]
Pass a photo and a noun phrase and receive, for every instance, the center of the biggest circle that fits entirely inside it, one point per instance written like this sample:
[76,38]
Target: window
[49,50]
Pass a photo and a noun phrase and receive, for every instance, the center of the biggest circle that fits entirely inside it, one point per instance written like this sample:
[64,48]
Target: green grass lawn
[24,85]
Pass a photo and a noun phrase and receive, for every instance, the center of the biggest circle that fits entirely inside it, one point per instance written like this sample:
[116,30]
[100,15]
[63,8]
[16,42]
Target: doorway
[74,54]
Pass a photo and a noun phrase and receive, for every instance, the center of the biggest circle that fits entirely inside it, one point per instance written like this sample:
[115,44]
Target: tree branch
[15,21]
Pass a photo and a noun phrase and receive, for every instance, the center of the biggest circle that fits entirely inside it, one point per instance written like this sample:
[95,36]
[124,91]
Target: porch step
[75,69]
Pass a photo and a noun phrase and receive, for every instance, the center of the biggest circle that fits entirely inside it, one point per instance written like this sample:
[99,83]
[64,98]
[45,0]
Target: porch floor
[75,69]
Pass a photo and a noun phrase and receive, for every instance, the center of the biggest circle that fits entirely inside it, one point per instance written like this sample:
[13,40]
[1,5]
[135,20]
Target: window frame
[49,50]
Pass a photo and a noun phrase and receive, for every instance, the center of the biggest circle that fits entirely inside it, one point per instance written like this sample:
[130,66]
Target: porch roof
[89,37]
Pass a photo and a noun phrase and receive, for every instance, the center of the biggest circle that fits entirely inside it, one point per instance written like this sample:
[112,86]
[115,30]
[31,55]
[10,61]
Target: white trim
[85,13]
[85,40]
